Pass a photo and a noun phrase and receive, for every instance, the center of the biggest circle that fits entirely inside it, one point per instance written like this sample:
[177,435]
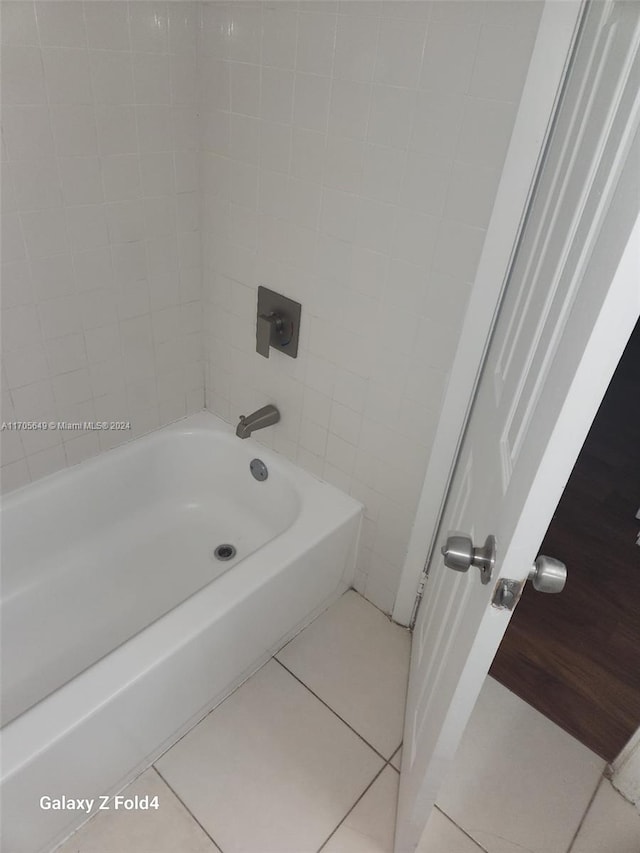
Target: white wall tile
[154,128]
[307,155]
[399,54]
[244,138]
[311,103]
[44,232]
[149,25]
[157,174]
[17,284]
[279,33]
[275,142]
[87,228]
[184,23]
[61,25]
[151,78]
[339,214]
[392,166]
[74,130]
[22,76]
[36,183]
[121,177]
[27,132]
[107,25]
[184,81]
[213,82]
[304,199]
[382,170]
[376,225]
[13,245]
[53,276]
[67,74]
[391,116]
[343,164]
[437,123]
[243,42]
[112,76]
[356,46]
[26,365]
[76,264]
[117,133]
[316,41]
[66,354]
[81,180]
[449,53]
[276,94]
[19,23]
[245,88]
[349,108]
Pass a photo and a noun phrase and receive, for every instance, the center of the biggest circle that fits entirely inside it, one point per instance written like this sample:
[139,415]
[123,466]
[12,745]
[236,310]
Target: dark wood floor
[576,656]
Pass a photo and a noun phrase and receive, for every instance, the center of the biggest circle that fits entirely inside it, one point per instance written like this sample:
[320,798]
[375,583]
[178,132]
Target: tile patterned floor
[304,757]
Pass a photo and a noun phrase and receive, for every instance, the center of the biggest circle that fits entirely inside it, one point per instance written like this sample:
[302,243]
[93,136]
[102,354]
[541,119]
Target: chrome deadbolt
[459,555]
[548,574]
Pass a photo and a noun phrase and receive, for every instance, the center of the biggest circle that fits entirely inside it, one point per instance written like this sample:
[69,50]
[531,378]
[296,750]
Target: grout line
[463,831]
[177,796]
[387,616]
[333,832]
[306,687]
[585,813]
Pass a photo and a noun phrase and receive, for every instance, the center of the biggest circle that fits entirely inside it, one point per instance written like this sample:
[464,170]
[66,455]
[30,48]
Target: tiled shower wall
[351,155]
[346,154]
[101,280]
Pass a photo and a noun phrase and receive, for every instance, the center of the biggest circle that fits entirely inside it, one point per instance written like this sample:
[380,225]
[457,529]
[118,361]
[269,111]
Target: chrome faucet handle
[278,323]
[269,325]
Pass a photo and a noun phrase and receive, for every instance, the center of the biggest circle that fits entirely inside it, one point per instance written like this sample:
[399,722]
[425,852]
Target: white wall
[101,282]
[351,153]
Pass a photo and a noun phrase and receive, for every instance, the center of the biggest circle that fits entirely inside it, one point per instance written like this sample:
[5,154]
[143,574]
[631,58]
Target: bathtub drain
[259,469]
[224,552]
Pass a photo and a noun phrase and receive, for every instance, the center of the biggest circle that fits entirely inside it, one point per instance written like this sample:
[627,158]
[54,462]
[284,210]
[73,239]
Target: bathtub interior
[95,554]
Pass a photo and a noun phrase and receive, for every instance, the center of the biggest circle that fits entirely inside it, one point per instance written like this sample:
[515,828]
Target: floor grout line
[585,813]
[193,817]
[333,832]
[387,761]
[335,713]
[462,830]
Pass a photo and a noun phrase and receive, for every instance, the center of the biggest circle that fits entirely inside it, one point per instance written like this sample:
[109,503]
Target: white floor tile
[271,770]
[443,836]
[168,829]
[518,781]
[357,661]
[396,761]
[612,825]
[370,826]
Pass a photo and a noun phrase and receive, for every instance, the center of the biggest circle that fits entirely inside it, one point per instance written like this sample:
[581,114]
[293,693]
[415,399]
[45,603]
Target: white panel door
[572,300]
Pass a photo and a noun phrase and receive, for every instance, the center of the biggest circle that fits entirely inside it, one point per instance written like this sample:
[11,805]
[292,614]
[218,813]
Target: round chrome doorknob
[458,553]
[548,574]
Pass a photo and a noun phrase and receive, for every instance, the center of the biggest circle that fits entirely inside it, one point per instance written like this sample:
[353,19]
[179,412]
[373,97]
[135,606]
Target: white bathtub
[120,628]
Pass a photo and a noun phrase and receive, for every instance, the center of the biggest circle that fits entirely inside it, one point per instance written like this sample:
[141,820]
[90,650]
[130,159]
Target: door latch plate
[507,594]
